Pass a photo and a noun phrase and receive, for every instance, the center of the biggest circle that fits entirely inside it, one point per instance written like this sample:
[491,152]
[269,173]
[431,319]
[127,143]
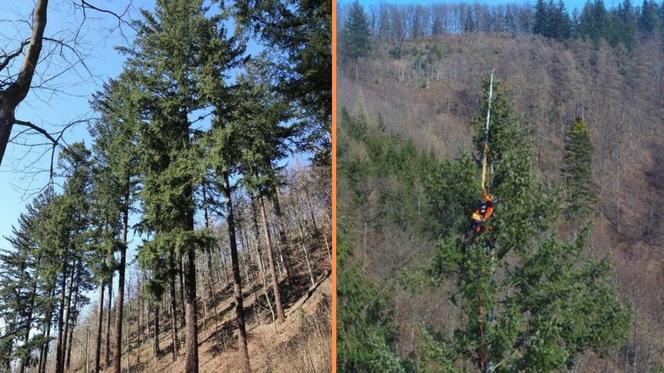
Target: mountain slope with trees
[591,110]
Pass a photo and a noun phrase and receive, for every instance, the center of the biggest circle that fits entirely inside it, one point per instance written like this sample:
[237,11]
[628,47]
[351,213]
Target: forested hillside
[414,95]
[193,231]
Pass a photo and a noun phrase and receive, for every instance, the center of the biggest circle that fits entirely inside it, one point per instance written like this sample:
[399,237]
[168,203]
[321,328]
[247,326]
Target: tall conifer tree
[525,292]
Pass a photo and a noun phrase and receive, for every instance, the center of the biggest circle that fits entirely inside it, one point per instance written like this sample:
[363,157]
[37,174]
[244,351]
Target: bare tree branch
[56,142]
[36,128]
[120,17]
[9,57]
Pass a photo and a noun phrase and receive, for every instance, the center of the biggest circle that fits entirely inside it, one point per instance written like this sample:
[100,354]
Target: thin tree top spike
[486,136]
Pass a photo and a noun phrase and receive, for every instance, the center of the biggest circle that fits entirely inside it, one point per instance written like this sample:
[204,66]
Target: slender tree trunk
[174,310]
[181,271]
[327,246]
[311,209]
[243,243]
[100,319]
[63,296]
[73,325]
[237,280]
[109,315]
[155,341]
[211,295]
[191,312]
[246,247]
[28,322]
[67,318]
[87,348]
[283,241]
[119,300]
[244,261]
[43,356]
[223,266]
[69,344]
[141,321]
[260,259]
[304,250]
[270,260]
[208,257]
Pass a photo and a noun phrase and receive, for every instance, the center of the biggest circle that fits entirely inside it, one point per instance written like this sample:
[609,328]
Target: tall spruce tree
[168,60]
[222,150]
[649,23]
[355,40]
[562,21]
[594,21]
[580,199]
[116,164]
[626,24]
[541,25]
[67,230]
[264,143]
[305,36]
[531,300]
[20,273]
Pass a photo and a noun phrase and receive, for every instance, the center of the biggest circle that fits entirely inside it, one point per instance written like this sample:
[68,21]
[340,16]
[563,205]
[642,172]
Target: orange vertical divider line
[334,187]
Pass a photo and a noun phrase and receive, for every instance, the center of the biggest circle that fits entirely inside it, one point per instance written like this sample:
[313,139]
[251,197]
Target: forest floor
[301,344]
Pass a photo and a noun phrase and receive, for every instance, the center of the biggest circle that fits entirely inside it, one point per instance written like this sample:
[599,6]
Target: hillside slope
[430,94]
[301,343]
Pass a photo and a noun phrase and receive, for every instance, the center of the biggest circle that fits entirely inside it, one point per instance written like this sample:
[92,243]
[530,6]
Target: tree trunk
[174,310]
[251,276]
[183,316]
[155,341]
[141,320]
[246,265]
[109,315]
[237,280]
[73,325]
[119,300]
[67,318]
[243,244]
[306,253]
[261,267]
[224,267]
[191,313]
[58,360]
[283,241]
[270,260]
[208,257]
[16,92]
[87,348]
[100,319]
[311,209]
[43,356]
[28,322]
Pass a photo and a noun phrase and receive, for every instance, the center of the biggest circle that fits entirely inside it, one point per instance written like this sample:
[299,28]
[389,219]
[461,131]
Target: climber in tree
[481,214]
